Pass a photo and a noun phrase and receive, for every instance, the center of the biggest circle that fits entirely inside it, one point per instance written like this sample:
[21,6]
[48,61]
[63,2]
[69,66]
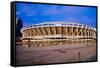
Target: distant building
[56,33]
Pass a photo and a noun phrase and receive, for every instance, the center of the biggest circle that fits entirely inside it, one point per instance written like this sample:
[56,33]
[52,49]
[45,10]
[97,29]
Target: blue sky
[39,13]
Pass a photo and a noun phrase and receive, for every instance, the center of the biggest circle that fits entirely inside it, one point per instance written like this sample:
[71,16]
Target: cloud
[17,13]
[26,9]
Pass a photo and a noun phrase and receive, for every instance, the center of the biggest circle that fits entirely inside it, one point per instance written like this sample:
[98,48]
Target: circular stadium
[57,33]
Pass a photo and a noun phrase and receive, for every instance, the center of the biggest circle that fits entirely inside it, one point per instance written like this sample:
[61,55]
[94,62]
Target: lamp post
[79,56]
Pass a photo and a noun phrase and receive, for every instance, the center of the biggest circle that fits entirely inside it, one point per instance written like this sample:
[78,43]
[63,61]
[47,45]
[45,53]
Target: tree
[19,25]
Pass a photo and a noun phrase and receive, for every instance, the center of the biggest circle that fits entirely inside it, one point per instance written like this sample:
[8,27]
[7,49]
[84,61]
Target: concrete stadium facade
[57,33]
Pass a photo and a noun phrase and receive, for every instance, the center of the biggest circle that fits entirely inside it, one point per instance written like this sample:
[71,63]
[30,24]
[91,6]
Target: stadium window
[30,26]
[75,24]
[80,25]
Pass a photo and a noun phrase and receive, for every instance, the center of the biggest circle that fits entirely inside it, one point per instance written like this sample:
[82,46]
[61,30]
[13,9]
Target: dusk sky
[39,13]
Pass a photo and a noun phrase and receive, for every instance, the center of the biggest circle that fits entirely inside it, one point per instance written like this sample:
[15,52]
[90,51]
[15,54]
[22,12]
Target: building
[57,33]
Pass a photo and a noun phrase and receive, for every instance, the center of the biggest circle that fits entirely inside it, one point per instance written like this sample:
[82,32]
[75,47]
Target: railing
[55,25]
[59,36]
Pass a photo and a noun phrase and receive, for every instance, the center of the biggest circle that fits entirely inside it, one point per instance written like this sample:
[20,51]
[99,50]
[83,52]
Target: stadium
[58,33]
